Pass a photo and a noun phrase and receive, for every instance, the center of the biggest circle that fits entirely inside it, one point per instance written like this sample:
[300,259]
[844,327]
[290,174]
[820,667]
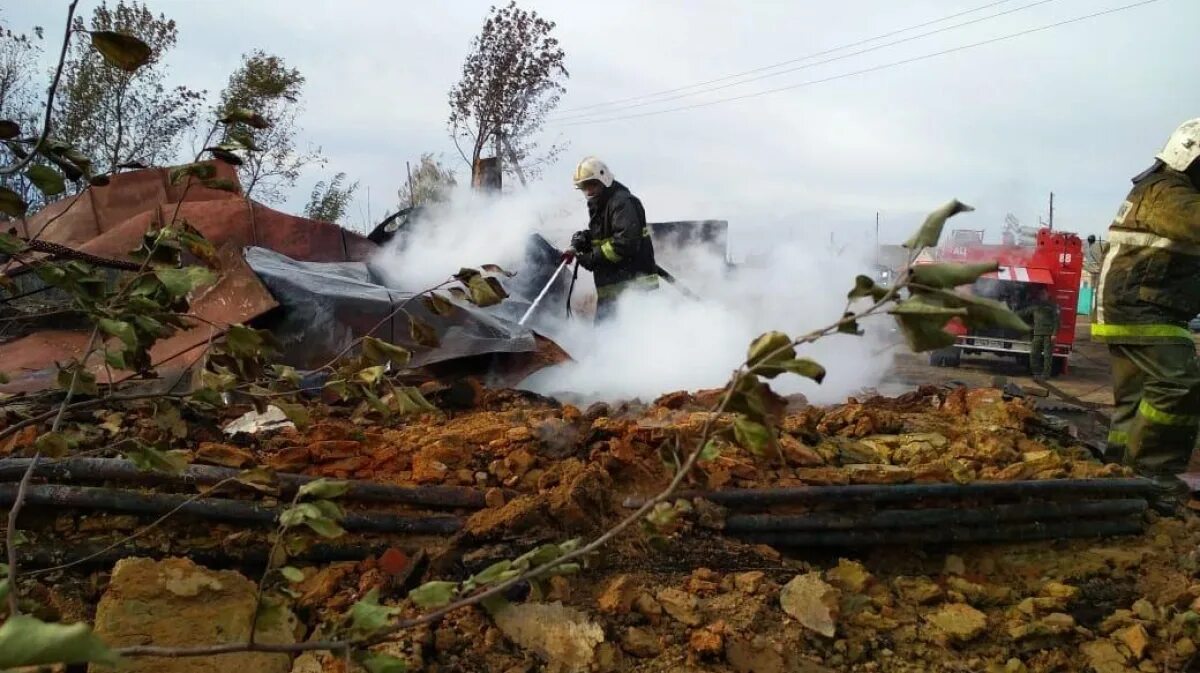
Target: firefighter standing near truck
[1149,288]
[1043,315]
[616,246]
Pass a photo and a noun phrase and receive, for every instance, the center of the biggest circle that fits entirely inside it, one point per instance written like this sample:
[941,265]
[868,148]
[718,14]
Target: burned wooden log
[921,518]
[217,509]
[124,471]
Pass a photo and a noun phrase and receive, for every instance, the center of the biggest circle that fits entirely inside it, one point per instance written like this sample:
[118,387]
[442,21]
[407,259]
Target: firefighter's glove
[567,257]
[581,241]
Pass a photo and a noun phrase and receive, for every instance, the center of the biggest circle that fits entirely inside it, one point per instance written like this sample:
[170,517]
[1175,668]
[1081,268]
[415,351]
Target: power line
[842,57]
[787,62]
[864,71]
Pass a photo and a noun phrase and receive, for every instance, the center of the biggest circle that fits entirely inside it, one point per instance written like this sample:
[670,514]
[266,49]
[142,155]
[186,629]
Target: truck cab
[1054,261]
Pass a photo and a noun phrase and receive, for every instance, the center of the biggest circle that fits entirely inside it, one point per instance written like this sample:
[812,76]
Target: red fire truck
[1054,261]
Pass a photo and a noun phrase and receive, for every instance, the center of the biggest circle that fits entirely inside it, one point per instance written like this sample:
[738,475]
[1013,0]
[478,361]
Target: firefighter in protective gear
[1043,315]
[616,246]
[1149,288]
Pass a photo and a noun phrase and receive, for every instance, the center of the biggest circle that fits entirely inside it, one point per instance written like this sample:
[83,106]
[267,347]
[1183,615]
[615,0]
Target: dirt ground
[1088,378]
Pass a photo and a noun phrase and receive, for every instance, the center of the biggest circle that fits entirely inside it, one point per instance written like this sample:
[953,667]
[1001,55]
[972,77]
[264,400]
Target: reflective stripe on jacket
[1149,284]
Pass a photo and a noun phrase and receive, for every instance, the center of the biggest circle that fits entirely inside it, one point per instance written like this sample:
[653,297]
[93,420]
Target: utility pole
[1051,224]
[877,238]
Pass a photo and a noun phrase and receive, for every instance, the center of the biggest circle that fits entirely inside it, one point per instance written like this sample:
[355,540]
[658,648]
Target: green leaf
[864,286]
[46,179]
[497,572]
[371,375]
[850,326]
[376,662]
[434,594]
[222,184]
[368,617]
[244,139]
[292,574]
[201,170]
[409,400]
[324,488]
[9,244]
[537,557]
[981,311]
[948,275]
[179,282]
[381,352]
[437,304]
[328,509]
[25,641]
[9,129]
[11,203]
[754,437]
[494,268]
[422,333]
[769,348]
[925,333]
[711,450]
[483,291]
[296,413]
[297,515]
[77,380]
[148,458]
[225,155]
[756,400]
[244,116]
[244,342]
[115,359]
[120,329]
[931,230]
[773,354]
[326,528]
[805,367]
[52,445]
[921,306]
[120,50]
[259,478]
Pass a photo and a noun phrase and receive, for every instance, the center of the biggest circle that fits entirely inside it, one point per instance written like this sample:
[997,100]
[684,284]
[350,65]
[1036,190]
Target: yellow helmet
[592,168]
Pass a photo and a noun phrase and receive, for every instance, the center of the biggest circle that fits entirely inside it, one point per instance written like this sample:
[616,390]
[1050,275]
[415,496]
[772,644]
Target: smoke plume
[659,341]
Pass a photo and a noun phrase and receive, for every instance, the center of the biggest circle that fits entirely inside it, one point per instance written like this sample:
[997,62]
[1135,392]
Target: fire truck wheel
[945,357]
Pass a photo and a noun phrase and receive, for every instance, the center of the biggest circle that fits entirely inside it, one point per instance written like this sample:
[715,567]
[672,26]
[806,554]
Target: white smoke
[659,341]
[473,228]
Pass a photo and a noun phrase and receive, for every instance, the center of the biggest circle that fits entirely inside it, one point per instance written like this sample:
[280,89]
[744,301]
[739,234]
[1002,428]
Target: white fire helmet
[1183,147]
[592,168]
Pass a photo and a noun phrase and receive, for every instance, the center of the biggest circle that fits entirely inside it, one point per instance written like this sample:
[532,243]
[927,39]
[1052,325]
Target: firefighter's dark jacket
[621,249]
[1150,282]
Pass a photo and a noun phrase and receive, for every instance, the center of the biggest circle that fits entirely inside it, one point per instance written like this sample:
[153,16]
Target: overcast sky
[1076,109]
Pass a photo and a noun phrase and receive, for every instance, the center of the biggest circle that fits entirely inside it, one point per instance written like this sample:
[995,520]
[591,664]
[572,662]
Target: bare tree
[20,100]
[511,79]
[264,83]
[431,182]
[118,117]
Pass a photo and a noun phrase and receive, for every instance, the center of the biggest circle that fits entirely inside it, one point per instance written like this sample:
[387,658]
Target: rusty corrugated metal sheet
[109,221]
[236,297]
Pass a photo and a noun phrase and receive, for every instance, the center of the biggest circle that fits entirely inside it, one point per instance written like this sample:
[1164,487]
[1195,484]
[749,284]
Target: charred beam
[920,518]
[216,509]
[1047,488]
[123,471]
[1050,530]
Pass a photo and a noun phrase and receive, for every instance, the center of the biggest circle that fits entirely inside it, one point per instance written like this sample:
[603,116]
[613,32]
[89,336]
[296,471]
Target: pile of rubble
[680,595]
